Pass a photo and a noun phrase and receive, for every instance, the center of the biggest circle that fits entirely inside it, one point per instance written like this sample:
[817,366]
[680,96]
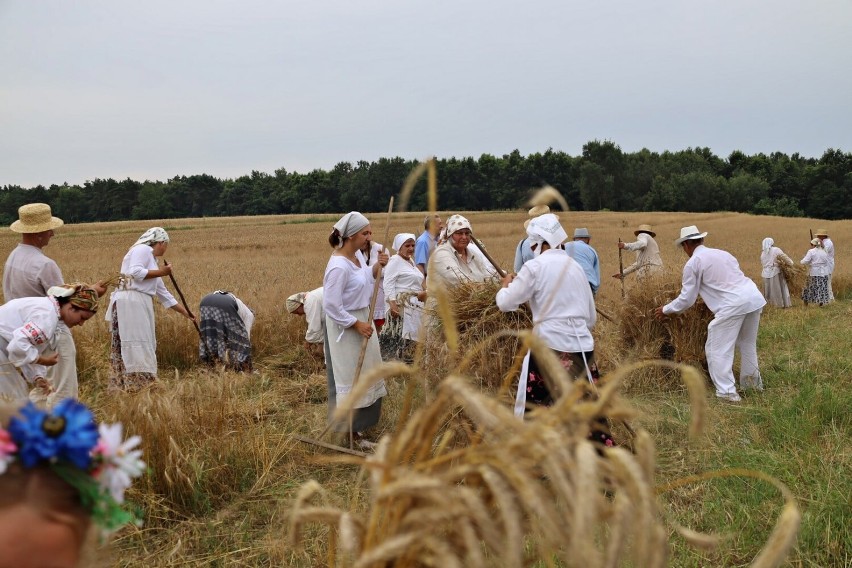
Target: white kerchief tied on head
[767,244]
[400,239]
[457,223]
[350,224]
[546,228]
[153,235]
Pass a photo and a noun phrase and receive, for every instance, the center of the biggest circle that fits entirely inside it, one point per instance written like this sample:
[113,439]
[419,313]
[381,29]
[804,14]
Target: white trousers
[724,334]
[62,376]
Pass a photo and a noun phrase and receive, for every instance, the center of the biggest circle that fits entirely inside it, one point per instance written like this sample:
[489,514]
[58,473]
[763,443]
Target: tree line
[603,177]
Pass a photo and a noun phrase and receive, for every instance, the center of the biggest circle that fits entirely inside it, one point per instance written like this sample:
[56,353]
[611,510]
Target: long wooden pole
[366,340]
[182,299]
[621,269]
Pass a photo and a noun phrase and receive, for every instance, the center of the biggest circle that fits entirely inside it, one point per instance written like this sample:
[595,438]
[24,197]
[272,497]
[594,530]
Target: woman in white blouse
[347,290]
[133,356]
[28,329]
[819,271]
[774,285]
[404,291]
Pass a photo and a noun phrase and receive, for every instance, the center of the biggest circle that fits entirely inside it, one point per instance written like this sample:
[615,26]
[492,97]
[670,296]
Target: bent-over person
[736,304]
[648,260]
[225,324]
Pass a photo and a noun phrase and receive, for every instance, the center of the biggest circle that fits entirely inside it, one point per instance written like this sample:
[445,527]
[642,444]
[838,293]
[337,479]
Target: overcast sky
[152,89]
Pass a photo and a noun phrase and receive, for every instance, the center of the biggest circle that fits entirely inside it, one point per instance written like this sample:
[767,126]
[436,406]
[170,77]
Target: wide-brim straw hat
[35,218]
[644,229]
[688,234]
[538,210]
[821,233]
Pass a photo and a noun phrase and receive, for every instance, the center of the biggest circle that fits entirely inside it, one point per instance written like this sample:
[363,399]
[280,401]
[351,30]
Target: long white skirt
[136,327]
[344,346]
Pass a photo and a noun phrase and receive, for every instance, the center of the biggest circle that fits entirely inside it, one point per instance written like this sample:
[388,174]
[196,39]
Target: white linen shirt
[29,325]
[446,264]
[715,275]
[769,260]
[401,276]
[29,273]
[314,315]
[346,288]
[818,262]
[648,260]
[136,264]
[828,245]
[562,304]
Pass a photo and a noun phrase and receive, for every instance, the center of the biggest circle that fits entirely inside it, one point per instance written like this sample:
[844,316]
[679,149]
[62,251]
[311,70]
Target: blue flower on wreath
[69,433]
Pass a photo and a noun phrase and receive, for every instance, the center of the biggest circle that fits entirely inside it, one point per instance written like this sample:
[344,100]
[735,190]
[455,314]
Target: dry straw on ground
[464,483]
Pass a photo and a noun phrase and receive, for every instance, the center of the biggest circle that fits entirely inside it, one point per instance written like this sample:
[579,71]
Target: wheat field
[225,468]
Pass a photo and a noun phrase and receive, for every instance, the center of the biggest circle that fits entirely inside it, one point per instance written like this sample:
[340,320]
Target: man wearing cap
[736,304]
[309,305]
[29,273]
[648,259]
[828,246]
[425,243]
[587,257]
[523,252]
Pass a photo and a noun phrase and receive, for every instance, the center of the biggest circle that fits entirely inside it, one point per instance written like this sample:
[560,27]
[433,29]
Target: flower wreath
[92,459]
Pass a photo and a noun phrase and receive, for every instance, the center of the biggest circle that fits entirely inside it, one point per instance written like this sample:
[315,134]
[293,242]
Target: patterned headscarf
[79,295]
[350,224]
[293,302]
[455,223]
[153,235]
[400,240]
[546,228]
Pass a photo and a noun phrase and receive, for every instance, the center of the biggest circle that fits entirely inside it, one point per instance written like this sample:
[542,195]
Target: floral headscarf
[79,295]
[455,223]
[293,302]
[153,235]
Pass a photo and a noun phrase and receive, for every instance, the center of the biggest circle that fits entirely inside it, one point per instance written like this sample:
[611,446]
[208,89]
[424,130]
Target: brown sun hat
[821,233]
[35,218]
[644,229]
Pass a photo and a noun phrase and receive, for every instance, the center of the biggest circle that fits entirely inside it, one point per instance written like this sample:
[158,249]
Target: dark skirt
[539,394]
[224,338]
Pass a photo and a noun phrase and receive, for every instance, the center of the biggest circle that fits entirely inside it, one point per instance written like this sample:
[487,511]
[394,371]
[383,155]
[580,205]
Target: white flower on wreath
[121,462]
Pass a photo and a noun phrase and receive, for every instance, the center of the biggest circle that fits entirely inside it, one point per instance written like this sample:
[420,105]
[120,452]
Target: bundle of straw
[475,317]
[680,338]
[796,276]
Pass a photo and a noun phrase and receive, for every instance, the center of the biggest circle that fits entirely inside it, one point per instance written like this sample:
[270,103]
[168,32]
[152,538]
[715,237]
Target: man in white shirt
[29,273]
[736,303]
[648,259]
[828,246]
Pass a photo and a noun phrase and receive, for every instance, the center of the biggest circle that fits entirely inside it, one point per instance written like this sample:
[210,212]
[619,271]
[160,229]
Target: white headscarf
[350,224]
[153,235]
[400,239]
[546,228]
[765,247]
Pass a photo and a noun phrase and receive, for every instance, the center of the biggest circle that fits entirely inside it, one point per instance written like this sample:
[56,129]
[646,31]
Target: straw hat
[644,229]
[538,210]
[582,233]
[821,233]
[688,234]
[35,218]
